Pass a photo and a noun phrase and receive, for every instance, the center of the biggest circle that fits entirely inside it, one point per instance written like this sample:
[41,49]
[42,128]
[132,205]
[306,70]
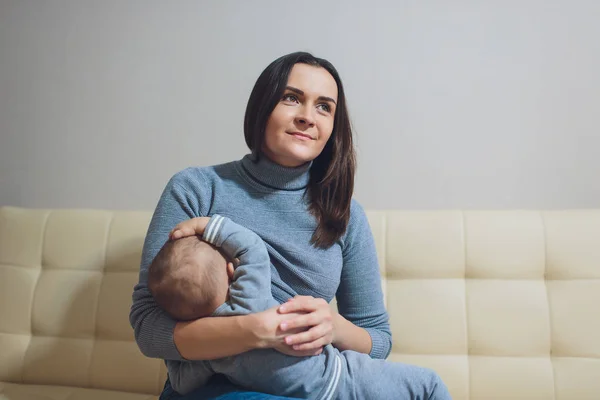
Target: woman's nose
[305,118]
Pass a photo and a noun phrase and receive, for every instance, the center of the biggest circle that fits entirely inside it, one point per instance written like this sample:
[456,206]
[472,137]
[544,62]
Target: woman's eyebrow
[301,93]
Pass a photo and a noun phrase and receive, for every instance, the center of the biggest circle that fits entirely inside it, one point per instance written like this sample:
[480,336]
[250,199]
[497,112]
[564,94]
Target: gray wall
[456,104]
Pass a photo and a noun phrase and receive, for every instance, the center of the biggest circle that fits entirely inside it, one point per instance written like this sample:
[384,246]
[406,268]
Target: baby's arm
[250,290]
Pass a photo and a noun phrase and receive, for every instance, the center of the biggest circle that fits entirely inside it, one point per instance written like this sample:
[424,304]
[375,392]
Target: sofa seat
[10,391]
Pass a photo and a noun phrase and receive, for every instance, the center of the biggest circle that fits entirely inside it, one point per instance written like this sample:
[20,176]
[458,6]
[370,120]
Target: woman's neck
[273,175]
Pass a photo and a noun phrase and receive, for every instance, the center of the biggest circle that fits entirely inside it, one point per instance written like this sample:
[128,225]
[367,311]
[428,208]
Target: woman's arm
[153,327]
[217,337]
[360,296]
[350,337]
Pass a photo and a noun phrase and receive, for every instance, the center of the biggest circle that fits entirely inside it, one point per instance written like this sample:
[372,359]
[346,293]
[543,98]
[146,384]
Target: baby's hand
[191,227]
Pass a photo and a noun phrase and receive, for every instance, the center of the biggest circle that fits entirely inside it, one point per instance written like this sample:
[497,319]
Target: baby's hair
[183,278]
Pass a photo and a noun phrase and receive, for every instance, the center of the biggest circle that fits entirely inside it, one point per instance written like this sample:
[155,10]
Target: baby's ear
[230,270]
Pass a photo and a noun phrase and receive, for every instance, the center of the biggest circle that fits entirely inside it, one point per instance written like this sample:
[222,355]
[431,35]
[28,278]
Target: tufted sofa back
[66,279]
[503,304]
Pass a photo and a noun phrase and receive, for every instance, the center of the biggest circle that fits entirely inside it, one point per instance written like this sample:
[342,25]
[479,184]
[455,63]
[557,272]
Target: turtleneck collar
[273,175]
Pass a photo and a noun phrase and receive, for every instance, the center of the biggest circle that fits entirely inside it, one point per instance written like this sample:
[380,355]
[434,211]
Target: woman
[295,191]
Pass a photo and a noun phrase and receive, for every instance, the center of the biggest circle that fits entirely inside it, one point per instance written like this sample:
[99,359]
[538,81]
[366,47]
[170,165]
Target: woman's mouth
[301,135]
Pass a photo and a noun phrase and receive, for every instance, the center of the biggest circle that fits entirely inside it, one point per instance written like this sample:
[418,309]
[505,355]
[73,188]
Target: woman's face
[302,121]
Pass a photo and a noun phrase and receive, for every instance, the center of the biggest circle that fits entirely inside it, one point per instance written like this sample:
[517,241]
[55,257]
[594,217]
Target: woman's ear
[230,270]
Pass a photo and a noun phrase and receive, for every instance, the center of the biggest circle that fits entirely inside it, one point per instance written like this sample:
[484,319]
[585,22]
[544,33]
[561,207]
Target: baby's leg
[268,371]
[366,378]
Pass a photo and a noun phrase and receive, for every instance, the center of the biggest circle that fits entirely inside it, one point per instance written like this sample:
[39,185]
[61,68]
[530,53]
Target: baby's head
[189,278]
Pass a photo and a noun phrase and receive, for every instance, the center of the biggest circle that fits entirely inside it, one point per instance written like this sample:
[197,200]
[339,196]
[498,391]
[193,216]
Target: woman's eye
[325,107]
[290,97]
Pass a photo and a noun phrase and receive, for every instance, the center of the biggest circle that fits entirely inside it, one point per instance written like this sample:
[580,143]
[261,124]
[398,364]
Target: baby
[191,279]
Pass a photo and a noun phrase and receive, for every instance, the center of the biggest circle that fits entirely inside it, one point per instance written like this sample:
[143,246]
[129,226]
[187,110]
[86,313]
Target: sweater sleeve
[250,291]
[360,296]
[186,376]
[181,199]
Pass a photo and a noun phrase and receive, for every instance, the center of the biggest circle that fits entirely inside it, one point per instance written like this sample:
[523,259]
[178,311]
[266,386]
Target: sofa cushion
[40,392]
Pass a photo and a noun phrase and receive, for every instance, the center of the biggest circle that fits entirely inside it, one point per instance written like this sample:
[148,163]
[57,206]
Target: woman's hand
[316,323]
[268,332]
[190,227]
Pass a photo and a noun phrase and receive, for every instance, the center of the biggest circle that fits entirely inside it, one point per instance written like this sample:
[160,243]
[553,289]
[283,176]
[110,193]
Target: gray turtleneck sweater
[269,200]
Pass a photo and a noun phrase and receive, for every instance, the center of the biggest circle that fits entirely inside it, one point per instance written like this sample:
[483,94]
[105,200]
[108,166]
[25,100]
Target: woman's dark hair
[331,182]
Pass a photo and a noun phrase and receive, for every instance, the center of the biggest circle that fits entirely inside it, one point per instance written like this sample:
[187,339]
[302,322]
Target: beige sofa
[504,305]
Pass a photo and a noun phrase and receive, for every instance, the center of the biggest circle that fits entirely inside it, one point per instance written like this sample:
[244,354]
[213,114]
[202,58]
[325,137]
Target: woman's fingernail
[288,340]
[282,308]
[284,326]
